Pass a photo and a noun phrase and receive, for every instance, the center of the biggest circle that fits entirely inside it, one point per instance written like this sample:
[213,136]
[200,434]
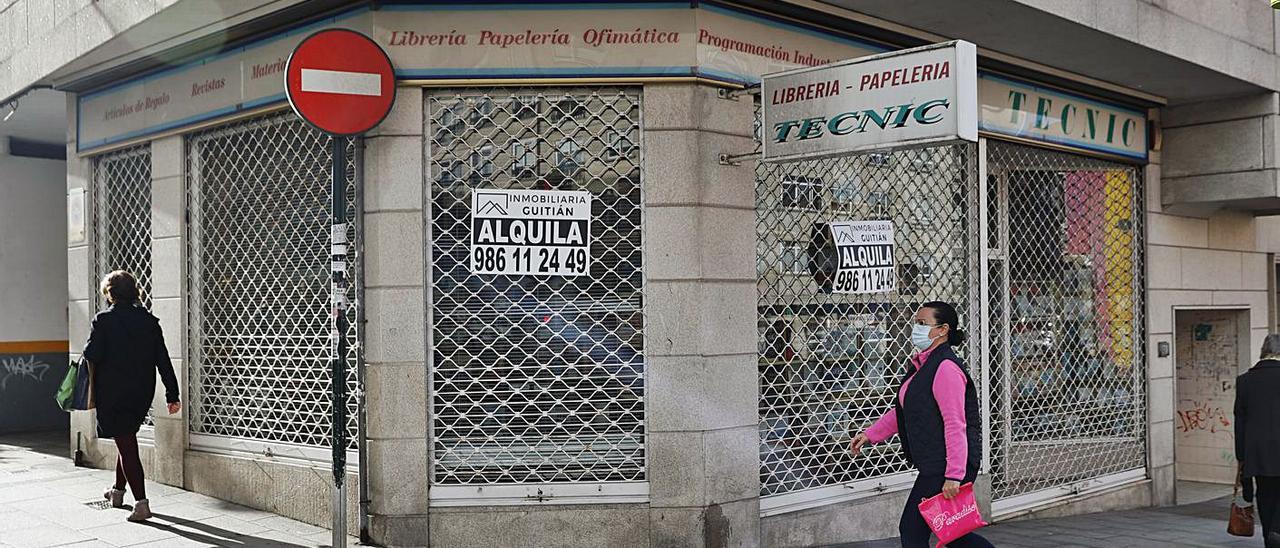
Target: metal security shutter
[1067,384]
[828,363]
[121,212]
[536,379]
[259,275]
[121,217]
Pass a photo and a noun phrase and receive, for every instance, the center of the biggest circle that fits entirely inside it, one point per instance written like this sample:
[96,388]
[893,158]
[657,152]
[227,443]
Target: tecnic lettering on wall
[1034,112]
[530,232]
[913,97]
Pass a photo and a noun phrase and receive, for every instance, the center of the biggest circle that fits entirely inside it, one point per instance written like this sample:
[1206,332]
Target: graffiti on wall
[1204,416]
[21,368]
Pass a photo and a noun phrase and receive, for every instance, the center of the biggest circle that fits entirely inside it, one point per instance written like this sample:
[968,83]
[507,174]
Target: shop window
[538,380]
[793,257]
[260,288]
[453,172]
[570,157]
[1075,410]
[618,144]
[524,158]
[480,112]
[481,164]
[121,216]
[844,191]
[802,193]
[524,107]
[828,362]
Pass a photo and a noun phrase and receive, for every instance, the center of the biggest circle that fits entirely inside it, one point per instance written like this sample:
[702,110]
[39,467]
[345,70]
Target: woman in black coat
[1258,436]
[126,348]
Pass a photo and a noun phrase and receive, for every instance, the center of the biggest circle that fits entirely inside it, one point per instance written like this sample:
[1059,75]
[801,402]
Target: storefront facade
[686,382]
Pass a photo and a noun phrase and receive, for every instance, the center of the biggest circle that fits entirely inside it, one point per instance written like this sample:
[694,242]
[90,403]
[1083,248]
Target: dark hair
[944,313]
[120,287]
[1270,347]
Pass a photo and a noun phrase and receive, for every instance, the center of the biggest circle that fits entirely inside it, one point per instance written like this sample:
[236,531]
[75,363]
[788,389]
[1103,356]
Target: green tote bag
[68,388]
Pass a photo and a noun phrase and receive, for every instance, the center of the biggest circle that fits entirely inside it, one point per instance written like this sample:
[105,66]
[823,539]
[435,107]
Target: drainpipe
[362,441]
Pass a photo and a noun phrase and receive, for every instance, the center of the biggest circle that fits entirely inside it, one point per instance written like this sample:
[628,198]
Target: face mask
[920,336]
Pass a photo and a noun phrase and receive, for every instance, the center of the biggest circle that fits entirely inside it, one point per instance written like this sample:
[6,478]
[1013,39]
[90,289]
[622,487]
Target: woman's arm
[948,391]
[884,427]
[96,347]
[165,367]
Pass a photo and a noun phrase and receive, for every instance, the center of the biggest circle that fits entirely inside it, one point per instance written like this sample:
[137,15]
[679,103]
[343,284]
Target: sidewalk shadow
[214,536]
[50,442]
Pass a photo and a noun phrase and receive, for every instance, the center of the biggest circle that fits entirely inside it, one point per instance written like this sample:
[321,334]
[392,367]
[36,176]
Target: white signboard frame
[912,97]
[865,252]
[530,232]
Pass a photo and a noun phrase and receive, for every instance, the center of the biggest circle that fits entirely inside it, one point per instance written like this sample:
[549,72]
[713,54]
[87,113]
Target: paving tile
[276,539]
[179,512]
[193,534]
[44,535]
[227,526]
[126,533]
[18,493]
[293,527]
[235,510]
[14,520]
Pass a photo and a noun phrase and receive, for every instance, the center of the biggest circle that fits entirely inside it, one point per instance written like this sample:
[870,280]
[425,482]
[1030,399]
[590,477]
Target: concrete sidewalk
[46,501]
[1193,525]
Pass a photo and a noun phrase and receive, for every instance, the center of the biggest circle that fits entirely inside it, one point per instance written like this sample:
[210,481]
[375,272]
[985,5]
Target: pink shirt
[948,391]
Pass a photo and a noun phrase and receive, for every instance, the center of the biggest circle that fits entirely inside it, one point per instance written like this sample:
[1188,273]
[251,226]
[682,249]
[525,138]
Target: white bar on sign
[341,82]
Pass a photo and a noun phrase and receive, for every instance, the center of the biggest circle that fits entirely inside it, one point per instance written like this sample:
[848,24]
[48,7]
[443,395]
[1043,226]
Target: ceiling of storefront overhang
[185,29]
[41,116]
[1028,33]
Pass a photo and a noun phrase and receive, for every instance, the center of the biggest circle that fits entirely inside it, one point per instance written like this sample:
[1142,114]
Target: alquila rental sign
[903,98]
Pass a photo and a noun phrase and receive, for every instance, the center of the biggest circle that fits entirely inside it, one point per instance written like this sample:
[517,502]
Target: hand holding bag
[952,519]
[1240,523]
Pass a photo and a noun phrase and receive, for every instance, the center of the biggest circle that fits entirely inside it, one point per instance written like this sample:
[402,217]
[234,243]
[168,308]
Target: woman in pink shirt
[937,419]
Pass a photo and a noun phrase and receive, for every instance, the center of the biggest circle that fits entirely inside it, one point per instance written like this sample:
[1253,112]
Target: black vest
[920,420]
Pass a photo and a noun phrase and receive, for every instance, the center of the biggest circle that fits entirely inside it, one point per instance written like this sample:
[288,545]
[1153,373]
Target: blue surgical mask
[920,336]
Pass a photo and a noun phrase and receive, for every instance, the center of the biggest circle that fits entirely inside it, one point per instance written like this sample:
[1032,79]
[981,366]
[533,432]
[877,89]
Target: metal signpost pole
[342,83]
[338,240]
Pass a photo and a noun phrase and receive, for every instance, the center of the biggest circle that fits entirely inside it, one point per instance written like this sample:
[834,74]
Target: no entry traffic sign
[340,81]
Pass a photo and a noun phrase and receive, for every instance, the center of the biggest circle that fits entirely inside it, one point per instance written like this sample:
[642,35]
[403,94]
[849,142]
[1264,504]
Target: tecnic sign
[904,98]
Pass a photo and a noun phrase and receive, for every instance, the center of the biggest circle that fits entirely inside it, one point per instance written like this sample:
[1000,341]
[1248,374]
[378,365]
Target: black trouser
[1267,500]
[915,532]
[129,466]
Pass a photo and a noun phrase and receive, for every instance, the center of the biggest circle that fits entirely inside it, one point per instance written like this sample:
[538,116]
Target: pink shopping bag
[952,519]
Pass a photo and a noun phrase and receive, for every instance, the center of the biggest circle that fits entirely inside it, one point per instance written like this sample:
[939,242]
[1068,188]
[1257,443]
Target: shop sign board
[866,257]
[904,98]
[566,40]
[340,81]
[1029,111]
[530,232]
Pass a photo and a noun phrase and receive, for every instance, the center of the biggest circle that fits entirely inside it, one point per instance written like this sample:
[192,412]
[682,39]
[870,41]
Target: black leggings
[1267,498]
[915,532]
[129,466]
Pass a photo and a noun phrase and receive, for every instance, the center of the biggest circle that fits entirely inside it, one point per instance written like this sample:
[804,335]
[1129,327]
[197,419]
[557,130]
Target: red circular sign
[340,81]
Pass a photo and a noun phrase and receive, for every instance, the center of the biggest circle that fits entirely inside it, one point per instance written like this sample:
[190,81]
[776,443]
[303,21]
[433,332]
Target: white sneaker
[115,496]
[141,511]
